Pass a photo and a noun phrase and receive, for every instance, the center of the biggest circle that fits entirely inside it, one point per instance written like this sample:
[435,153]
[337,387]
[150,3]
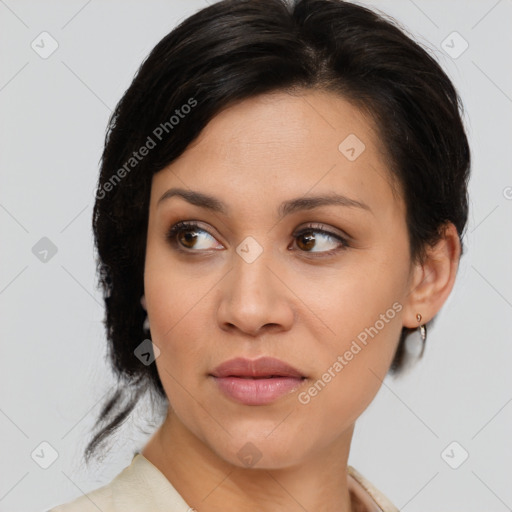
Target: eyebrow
[285,208]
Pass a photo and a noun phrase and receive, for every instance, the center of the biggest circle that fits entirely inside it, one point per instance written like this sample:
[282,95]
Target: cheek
[178,321]
[333,406]
[181,318]
[176,329]
[175,297]
[360,308]
[363,290]
[350,371]
[176,315]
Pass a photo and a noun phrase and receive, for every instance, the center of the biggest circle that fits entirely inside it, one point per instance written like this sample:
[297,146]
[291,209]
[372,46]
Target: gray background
[54,113]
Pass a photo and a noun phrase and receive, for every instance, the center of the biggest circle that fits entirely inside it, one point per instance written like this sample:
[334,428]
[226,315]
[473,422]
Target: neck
[208,483]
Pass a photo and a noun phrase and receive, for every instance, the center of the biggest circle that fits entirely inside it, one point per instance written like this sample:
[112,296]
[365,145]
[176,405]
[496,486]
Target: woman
[283,192]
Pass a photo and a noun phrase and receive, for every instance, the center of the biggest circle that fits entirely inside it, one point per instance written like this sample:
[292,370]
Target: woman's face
[245,284]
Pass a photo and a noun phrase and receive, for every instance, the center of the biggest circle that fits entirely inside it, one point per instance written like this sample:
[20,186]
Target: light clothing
[142,487]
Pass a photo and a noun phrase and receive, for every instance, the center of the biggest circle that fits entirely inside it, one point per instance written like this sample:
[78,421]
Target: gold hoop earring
[422,328]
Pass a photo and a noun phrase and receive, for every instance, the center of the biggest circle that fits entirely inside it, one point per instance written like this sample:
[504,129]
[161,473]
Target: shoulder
[139,487]
[99,499]
[366,494]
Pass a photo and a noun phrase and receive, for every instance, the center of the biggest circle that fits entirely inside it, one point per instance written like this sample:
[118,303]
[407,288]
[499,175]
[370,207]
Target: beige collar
[364,495]
[142,487]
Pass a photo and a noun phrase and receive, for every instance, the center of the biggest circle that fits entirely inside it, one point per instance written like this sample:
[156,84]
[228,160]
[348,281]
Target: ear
[432,280]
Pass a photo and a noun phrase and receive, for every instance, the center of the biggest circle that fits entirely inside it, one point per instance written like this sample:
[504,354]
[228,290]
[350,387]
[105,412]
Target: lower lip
[257,391]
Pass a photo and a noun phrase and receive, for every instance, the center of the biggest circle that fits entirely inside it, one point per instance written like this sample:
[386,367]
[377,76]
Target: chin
[261,452]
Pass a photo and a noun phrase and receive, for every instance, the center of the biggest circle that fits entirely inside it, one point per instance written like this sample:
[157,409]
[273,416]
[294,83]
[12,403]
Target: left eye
[185,236]
[308,239]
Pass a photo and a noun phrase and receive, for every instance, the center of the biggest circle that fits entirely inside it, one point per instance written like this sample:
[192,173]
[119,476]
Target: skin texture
[290,302]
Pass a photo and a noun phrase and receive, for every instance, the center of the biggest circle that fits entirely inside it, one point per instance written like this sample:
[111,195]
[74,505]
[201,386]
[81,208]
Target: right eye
[188,236]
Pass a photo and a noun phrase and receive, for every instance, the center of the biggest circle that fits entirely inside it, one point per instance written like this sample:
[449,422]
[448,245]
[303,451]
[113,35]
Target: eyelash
[181,226]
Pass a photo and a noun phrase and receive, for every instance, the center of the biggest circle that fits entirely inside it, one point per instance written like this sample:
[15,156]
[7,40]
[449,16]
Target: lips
[256,382]
[264,367]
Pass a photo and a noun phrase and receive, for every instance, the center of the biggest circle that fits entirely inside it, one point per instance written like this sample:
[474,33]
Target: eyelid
[344,241]
[318,226]
[182,225]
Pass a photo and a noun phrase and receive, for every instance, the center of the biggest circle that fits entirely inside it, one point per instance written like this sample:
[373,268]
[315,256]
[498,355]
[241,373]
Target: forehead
[293,122]
[281,145]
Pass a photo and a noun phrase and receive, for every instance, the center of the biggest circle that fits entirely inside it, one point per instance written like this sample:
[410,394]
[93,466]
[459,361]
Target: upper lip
[261,367]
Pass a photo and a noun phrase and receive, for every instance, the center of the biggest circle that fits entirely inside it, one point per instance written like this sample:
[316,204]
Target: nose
[254,297]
